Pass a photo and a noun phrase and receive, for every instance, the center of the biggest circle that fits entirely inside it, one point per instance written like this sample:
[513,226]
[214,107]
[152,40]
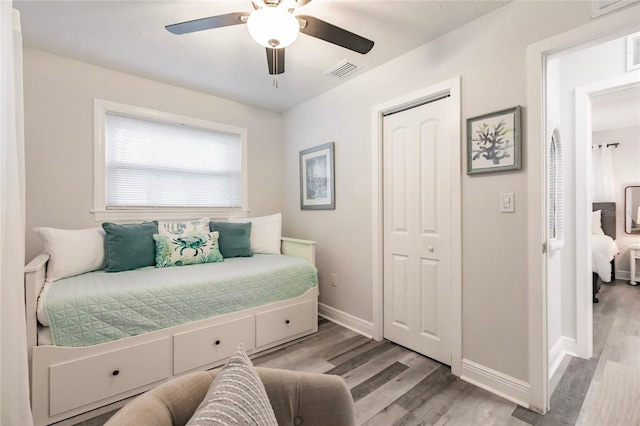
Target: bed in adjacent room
[603,245]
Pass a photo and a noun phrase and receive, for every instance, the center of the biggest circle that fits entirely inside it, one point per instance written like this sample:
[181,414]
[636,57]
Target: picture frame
[494,142]
[317,178]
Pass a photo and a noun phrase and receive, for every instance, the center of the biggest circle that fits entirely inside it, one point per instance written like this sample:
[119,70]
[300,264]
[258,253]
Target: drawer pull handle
[115,372]
[287,321]
[217,342]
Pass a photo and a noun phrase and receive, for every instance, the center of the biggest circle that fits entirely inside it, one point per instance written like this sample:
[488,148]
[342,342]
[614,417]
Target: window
[555,190]
[150,164]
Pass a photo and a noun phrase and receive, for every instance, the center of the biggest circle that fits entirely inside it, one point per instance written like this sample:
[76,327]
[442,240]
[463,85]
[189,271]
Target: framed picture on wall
[317,185]
[493,142]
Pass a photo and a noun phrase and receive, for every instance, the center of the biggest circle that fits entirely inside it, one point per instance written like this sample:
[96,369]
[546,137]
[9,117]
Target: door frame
[610,26]
[584,311]
[452,89]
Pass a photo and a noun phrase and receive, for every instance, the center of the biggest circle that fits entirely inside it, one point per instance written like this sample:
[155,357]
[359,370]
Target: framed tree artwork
[317,186]
[494,143]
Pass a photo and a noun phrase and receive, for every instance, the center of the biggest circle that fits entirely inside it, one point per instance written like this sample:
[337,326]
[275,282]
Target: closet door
[417,229]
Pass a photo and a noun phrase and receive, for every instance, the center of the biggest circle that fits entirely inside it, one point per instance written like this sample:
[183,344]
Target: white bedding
[603,251]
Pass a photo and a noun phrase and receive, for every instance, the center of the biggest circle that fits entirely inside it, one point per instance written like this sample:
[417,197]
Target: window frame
[101,213]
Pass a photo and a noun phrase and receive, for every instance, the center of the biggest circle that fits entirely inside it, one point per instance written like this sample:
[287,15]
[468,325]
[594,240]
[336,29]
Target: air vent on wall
[343,69]
[633,52]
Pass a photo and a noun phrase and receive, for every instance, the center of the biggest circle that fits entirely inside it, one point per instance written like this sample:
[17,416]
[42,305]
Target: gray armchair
[300,399]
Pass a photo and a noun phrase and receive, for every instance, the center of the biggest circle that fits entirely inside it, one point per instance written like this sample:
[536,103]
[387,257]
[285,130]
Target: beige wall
[490,56]
[59,95]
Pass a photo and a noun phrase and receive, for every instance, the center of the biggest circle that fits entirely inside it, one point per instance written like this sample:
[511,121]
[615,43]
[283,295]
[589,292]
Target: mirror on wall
[632,209]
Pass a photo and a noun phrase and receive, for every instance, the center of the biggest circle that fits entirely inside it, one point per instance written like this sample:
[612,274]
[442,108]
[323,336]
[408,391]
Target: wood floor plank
[567,400]
[344,346]
[360,359]
[301,349]
[432,384]
[377,364]
[344,357]
[432,408]
[618,397]
[385,395]
[389,415]
[377,380]
[478,407]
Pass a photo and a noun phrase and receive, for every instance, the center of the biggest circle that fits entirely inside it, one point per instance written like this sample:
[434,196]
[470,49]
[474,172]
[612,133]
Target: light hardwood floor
[392,385]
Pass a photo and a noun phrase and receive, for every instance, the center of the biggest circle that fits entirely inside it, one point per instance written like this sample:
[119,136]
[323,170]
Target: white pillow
[72,251]
[266,233]
[183,227]
[596,223]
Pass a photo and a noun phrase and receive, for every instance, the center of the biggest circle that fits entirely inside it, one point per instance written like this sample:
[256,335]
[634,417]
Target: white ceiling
[619,109]
[130,36]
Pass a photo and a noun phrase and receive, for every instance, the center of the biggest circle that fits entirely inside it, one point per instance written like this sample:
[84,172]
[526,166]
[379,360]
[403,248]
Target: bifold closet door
[417,229]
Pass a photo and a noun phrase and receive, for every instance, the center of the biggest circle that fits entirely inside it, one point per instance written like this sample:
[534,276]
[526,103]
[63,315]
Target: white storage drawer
[281,323]
[207,345]
[76,383]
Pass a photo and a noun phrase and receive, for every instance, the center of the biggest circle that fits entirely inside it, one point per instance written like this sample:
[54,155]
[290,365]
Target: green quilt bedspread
[99,307]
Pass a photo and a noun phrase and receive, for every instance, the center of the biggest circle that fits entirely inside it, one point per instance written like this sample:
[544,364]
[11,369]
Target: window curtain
[603,185]
[14,386]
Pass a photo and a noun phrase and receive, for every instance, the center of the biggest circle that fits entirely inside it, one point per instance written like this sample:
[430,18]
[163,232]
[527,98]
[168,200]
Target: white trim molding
[452,89]
[501,384]
[346,320]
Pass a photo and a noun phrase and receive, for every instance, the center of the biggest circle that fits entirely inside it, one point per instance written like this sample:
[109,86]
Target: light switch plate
[507,202]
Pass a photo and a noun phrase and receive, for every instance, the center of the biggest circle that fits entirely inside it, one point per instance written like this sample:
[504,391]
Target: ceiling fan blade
[328,32]
[275,61]
[211,22]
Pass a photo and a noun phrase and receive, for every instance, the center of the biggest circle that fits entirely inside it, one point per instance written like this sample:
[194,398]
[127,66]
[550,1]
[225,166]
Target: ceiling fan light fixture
[273,27]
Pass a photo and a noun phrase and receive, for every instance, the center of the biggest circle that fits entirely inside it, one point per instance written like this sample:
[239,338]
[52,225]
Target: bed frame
[69,381]
[608,223]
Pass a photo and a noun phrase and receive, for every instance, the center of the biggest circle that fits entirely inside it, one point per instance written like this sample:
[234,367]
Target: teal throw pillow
[129,246]
[187,249]
[234,238]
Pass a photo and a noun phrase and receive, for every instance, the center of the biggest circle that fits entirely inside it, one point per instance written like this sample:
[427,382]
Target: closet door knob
[430,248]
[287,321]
[115,372]
[217,342]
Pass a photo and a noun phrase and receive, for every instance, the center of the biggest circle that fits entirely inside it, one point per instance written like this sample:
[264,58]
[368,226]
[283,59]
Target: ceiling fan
[273,25]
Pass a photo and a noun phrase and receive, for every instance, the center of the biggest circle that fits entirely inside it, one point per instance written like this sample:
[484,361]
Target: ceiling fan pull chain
[275,67]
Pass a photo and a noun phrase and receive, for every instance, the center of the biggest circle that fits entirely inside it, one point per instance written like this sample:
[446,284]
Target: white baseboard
[563,346]
[346,320]
[570,346]
[556,355]
[623,275]
[507,387]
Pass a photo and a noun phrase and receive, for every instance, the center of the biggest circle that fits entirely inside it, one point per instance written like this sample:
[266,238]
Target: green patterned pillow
[186,250]
[181,228]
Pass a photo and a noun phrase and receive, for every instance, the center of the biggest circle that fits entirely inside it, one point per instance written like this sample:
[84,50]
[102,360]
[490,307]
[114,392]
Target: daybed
[81,376]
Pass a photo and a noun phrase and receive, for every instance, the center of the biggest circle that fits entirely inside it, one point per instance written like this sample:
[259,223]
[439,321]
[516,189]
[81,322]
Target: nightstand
[634,254]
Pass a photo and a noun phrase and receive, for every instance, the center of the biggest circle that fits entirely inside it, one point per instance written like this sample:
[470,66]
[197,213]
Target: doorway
[605,29]
[450,89]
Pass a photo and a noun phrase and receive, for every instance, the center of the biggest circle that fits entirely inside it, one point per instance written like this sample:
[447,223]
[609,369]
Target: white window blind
[154,164]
